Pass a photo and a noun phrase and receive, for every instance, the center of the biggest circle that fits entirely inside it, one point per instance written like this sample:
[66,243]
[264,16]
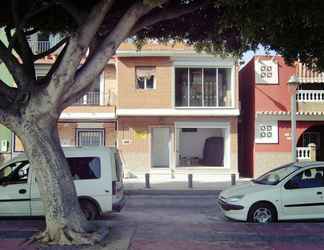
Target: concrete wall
[265,161]
[110,88]
[310,106]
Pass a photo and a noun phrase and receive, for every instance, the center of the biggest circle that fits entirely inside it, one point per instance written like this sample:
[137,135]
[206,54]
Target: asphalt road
[180,222]
[194,222]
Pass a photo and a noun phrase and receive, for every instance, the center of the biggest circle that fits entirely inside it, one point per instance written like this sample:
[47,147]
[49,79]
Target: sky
[247,56]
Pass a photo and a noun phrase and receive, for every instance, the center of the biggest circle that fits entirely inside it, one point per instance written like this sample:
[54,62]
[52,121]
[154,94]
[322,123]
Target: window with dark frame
[145,77]
[84,168]
[309,178]
[15,173]
[203,87]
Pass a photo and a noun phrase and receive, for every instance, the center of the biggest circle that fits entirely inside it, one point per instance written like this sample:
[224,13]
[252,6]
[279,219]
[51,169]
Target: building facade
[177,111]
[269,133]
[168,109]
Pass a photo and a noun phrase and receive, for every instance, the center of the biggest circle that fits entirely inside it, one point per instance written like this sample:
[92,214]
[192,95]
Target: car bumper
[118,206]
[233,211]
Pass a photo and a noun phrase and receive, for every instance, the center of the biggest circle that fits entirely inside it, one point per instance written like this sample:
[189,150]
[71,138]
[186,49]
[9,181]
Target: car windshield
[275,176]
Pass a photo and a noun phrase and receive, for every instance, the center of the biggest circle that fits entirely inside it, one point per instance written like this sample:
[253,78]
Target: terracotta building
[270,132]
[168,109]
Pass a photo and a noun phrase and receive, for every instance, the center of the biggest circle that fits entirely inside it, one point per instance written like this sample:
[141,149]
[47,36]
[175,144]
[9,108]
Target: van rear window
[83,168]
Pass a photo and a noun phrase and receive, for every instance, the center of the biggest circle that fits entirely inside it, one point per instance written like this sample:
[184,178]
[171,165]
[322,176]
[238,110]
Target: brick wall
[130,97]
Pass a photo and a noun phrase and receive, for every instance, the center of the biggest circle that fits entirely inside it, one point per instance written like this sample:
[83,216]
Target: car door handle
[319,193]
[22,191]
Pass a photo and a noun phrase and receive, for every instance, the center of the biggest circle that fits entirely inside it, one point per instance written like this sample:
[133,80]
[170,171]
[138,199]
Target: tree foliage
[92,31]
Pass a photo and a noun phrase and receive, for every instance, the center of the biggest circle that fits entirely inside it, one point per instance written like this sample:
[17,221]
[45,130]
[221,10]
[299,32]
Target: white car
[97,174]
[291,192]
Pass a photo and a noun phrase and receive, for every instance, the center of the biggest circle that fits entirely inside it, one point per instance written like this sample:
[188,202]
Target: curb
[171,192]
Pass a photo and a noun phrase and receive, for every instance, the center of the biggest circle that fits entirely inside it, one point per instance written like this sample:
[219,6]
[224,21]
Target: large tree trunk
[66,224]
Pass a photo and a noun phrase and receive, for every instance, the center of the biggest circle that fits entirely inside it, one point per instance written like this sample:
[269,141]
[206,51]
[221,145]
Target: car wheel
[262,213]
[89,209]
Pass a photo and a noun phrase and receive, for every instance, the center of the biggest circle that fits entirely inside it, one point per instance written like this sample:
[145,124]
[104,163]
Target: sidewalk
[166,185]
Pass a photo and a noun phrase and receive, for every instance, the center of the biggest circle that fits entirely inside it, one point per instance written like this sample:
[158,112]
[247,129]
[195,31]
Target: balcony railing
[91,98]
[39,46]
[94,98]
[303,153]
[310,96]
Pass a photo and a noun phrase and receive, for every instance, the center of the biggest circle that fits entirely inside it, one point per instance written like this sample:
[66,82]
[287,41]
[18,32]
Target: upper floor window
[145,77]
[203,87]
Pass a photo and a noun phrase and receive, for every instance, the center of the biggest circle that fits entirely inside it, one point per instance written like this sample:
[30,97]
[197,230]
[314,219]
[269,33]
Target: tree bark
[65,222]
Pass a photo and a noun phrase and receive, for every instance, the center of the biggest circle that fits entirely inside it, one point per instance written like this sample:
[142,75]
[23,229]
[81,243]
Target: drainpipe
[292,84]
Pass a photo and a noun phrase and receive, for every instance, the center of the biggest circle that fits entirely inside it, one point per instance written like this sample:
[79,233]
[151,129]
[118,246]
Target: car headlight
[235,198]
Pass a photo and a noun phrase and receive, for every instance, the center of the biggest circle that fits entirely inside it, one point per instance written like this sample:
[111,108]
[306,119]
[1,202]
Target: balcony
[91,98]
[39,46]
[93,106]
[310,100]
[95,98]
[310,96]
[303,154]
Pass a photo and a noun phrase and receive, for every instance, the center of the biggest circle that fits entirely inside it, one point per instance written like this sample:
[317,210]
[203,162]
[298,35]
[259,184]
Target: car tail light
[114,187]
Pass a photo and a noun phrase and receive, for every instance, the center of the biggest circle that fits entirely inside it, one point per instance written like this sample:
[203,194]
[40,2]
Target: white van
[97,174]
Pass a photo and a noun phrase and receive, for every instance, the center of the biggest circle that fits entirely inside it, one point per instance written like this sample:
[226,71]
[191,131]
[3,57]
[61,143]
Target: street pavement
[179,222]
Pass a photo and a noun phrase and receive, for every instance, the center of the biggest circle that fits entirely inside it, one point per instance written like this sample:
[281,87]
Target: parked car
[291,192]
[97,174]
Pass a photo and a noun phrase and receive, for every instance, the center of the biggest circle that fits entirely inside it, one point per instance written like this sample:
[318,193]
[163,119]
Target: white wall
[191,144]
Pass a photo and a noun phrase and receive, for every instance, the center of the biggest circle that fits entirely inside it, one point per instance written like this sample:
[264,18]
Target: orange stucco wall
[130,97]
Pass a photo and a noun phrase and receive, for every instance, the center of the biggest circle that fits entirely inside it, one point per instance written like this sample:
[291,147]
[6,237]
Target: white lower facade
[173,148]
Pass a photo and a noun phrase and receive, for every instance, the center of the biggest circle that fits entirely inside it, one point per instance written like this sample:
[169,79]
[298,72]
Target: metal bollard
[190,184]
[233,179]
[147,180]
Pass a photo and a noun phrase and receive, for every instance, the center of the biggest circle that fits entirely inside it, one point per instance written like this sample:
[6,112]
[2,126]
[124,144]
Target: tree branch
[31,32]
[51,50]
[7,118]
[73,11]
[56,63]
[164,15]
[93,22]
[63,77]
[13,65]
[8,91]
[26,52]
[94,65]
[35,11]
